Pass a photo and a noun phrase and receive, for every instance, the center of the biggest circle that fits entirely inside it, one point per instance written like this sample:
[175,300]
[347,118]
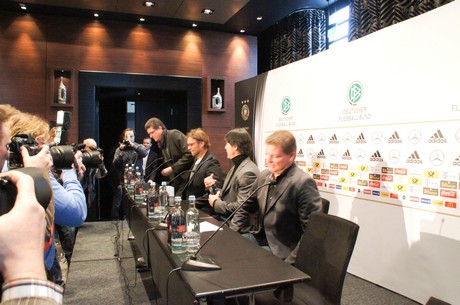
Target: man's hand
[41,160]
[167,171]
[212,198]
[209,181]
[81,167]
[22,233]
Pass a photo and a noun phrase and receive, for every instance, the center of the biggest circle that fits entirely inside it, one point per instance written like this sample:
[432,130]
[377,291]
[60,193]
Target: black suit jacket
[195,185]
[284,218]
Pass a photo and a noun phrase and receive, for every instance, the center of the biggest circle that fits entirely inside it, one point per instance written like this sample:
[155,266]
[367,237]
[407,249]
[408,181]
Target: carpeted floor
[103,271]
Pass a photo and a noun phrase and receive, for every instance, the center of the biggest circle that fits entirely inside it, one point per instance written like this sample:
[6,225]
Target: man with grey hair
[282,208]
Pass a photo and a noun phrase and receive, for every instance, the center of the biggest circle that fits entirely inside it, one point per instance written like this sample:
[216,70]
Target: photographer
[88,181]
[128,152]
[21,246]
[69,208]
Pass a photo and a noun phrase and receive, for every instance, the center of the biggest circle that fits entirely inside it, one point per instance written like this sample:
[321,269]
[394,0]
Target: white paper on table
[208,227]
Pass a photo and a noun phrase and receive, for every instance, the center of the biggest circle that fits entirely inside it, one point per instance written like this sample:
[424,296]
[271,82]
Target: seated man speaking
[284,208]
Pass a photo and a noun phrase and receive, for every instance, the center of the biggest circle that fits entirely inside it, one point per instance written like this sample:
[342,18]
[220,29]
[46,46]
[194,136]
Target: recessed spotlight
[194,25]
[242,31]
[142,19]
[96,15]
[207,11]
[259,18]
[22,6]
[149,3]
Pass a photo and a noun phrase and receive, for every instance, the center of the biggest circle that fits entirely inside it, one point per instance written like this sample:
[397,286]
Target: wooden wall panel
[31,46]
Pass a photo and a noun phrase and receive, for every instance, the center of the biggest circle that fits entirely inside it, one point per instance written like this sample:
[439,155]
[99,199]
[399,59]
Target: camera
[63,155]
[8,190]
[92,158]
[127,144]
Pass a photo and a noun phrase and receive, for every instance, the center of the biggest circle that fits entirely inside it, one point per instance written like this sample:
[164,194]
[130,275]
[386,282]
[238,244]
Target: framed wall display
[215,94]
[61,87]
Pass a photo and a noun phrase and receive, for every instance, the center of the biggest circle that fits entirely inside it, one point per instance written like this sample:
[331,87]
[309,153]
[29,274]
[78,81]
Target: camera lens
[63,156]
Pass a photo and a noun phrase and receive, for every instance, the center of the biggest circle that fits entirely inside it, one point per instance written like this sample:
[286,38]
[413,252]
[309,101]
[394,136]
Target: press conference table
[246,268]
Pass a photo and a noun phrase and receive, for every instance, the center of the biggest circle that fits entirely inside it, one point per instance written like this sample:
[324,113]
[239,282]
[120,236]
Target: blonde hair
[31,124]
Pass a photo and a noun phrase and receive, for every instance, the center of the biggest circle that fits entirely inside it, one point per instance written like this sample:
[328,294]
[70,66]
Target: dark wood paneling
[31,45]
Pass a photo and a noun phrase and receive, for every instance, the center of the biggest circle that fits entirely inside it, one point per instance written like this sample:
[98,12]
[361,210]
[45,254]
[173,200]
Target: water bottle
[152,203]
[132,181]
[126,175]
[161,208]
[192,234]
[177,228]
[138,192]
[129,178]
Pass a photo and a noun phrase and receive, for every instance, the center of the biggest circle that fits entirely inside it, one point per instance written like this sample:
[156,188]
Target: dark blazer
[285,218]
[151,164]
[236,190]
[173,147]
[195,185]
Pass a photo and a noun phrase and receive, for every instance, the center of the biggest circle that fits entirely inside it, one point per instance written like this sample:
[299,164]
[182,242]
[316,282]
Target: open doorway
[103,114]
[169,106]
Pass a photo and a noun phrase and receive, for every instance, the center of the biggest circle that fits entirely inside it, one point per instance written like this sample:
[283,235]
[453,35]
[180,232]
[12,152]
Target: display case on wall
[61,86]
[215,94]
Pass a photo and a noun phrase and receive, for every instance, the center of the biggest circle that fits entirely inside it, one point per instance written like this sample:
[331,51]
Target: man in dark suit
[205,164]
[149,162]
[174,151]
[283,209]
[240,178]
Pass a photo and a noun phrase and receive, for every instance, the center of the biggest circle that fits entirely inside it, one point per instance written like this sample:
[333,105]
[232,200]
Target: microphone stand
[193,263]
[157,168]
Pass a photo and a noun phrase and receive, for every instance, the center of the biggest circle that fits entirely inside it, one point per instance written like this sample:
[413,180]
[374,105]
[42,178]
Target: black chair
[324,254]
[325,205]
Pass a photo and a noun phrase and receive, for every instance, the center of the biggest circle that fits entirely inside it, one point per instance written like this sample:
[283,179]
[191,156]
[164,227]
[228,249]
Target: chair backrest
[324,205]
[325,251]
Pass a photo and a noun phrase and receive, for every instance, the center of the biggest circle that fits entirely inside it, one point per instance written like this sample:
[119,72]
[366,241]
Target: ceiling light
[242,31]
[194,25]
[207,11]
[96,15]
[259,18]
[23,6]
[142,19]
[149,3]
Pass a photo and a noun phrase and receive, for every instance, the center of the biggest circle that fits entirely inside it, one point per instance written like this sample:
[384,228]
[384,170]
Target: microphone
[193,263]
[180,174]
[157,168]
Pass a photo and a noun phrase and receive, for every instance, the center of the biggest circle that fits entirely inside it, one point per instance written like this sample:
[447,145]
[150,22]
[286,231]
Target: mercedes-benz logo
[310,153]
[321,138]
[333,153]
[377,137]
[437,157]
[347,138]
[415,136]
[360,155]
[394,156]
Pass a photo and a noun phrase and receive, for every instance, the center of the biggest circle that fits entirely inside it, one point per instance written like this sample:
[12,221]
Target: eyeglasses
[152,132]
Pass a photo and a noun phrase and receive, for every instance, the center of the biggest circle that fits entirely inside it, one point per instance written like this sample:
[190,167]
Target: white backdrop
[377,125]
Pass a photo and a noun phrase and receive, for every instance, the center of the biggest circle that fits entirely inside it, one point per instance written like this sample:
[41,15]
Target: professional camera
[63,155]
[93,158]
[127,144]
[8,190]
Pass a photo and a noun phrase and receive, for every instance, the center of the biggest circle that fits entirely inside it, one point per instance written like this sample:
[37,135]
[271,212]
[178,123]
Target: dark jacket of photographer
[129,155]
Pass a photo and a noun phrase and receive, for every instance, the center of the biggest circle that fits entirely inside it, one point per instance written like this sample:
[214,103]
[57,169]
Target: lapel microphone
[193,263]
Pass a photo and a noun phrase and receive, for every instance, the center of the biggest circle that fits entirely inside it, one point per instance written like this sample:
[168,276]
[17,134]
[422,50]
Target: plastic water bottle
[177,228]
[161,208]
[192,234]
